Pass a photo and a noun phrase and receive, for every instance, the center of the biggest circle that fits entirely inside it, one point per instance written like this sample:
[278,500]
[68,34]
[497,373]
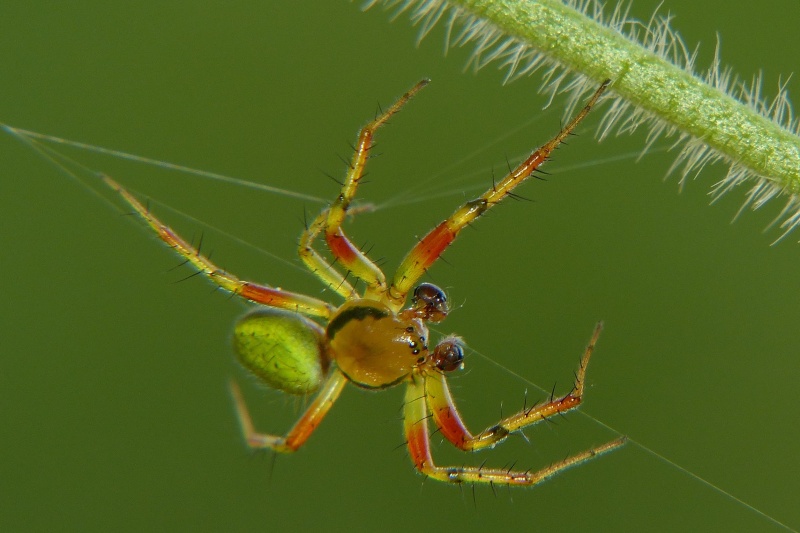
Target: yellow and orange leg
[428,250]
[416,429]
[345,253]
[248,290]
[446,416]
[317,264]
[302,429]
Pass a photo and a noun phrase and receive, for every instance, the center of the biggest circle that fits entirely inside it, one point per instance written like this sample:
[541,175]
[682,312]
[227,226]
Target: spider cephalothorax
[302,345]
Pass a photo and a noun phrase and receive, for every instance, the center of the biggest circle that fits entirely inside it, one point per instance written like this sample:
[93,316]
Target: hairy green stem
[736,131]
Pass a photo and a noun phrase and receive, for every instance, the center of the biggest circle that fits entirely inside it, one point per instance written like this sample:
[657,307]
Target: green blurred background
[114,407]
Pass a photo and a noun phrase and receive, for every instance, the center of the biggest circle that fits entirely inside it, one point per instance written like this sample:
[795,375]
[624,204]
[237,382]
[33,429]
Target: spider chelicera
[372,340]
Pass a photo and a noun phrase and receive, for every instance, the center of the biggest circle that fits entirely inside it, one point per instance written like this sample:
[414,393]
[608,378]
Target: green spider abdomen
[283,349]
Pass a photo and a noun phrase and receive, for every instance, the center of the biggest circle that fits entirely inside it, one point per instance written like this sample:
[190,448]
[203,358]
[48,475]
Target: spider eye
[431,302]
[449,355]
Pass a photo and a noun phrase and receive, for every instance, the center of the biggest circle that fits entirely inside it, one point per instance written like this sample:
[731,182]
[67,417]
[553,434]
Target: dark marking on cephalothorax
[357,312]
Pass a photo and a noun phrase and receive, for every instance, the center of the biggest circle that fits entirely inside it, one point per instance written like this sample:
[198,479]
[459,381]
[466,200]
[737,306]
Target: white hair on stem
[721,117]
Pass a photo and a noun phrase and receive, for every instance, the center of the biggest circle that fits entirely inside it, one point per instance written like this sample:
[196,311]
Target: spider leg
[416,429]
[340,246]
[317,264]
[428,250]
[245,289]
[446,416]
[302,429]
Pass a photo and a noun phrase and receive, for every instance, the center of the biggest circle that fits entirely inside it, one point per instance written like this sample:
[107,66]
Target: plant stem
[681,100]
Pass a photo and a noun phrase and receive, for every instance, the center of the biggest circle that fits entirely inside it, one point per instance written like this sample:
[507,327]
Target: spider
[302,345]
